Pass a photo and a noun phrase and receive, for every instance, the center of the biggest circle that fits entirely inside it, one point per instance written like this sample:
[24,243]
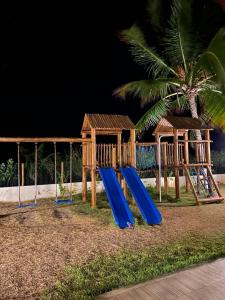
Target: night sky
[60,61]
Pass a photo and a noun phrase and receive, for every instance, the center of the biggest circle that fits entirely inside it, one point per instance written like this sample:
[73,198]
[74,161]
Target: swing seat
[26,205]
[63,201]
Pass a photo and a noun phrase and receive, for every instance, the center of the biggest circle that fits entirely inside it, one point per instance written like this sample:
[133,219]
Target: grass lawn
[103,212]
[129,267]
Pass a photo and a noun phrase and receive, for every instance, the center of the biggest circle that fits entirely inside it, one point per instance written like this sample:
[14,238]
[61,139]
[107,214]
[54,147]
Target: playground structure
[111,160]
[120,162]
[159,157]
[176,155]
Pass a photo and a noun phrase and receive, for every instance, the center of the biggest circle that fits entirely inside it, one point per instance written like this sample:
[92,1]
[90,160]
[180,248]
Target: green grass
[130,267]
[104,214]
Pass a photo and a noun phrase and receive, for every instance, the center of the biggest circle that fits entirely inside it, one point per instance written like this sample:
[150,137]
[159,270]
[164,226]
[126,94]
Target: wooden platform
[203,282]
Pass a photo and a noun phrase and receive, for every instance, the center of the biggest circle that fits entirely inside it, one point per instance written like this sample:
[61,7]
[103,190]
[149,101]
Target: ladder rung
[211,199]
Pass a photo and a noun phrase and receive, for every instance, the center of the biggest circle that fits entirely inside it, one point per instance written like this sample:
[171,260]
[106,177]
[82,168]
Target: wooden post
[119,154]
[176,164]
[84,170]
[207,147]
[186,159]
[62,172]
[93,168]
[125,190]
[22,174]
[165,163]
[133,147]
[157,160]
[114,157]
[133,152]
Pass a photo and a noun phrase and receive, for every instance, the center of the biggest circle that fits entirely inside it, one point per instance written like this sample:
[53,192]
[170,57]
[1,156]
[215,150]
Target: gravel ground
[37,243]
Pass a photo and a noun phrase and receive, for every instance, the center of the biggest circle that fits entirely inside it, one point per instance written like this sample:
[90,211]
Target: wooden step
[211,199]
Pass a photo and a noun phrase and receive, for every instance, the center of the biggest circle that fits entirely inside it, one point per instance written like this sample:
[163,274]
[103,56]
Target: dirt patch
[37,243]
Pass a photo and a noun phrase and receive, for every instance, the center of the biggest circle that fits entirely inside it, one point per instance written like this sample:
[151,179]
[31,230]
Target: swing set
[36,141]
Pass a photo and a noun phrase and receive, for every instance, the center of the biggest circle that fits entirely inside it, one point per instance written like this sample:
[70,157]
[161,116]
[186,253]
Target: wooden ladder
[218,198]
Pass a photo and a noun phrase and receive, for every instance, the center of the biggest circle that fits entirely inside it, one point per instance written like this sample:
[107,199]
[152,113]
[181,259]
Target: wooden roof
[182,124]
[107,122]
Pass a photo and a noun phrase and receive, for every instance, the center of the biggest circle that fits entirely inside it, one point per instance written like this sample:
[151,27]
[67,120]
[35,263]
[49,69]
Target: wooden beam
[213,181]
[165,164]
[133,147]
[84,169]
[119,154]
[157,160]
[186,160]
[22,174]
[176,164]
[191,184]
[93,168]
[42,140]
[208,150]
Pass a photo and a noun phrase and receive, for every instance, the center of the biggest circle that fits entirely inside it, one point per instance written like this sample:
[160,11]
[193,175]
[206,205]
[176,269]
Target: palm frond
[217,46]
[145,55]
[214,106]
[179,42]
[153,115]
[147,90]
[211,63]
[179,104]
[155,11]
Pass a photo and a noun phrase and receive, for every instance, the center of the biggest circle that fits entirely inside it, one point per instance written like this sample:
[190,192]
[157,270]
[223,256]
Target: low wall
[10,194]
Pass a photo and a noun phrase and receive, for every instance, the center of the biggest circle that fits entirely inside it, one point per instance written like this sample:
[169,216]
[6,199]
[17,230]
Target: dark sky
[59,62]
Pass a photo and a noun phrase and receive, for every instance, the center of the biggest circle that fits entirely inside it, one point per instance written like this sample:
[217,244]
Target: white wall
[10,194]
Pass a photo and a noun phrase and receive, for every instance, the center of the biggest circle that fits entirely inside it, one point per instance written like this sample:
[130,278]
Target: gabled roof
[107,122]
[167,124]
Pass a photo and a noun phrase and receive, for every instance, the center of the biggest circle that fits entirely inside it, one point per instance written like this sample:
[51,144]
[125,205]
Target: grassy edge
[134,266]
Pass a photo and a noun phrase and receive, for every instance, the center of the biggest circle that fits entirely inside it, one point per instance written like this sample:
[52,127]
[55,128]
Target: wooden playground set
[122,159]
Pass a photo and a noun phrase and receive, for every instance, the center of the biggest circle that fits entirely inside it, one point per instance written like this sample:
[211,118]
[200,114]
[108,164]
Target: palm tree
[181,73]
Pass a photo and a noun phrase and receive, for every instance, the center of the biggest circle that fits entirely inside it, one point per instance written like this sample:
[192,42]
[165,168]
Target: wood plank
[191,183]
[176,164]
[204,282]
[210,200]
[43,140]
[213,181]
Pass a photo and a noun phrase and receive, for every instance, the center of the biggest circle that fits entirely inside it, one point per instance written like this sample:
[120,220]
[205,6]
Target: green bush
[7,172]
[218,159]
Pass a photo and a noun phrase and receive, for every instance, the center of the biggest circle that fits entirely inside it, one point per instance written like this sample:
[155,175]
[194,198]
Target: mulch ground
[37,243]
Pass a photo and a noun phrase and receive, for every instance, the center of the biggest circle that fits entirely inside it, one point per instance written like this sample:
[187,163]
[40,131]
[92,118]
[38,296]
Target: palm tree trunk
[198,149]
[194,114]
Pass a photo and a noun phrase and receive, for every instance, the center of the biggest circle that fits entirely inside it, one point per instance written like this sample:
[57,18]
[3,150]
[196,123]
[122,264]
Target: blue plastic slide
[120,209]
[149,211]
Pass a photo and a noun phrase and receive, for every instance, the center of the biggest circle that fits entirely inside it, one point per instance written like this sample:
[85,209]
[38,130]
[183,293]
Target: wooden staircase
[203,185]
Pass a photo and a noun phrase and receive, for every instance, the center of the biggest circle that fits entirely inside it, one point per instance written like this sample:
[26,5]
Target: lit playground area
[121,162]
[40,237]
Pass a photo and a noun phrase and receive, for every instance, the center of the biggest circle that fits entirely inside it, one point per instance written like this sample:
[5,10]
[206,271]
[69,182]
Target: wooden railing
[107,154]
[104,153]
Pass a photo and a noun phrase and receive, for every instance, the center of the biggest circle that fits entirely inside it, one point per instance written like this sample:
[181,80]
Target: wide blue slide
[120,209]
[147,207]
